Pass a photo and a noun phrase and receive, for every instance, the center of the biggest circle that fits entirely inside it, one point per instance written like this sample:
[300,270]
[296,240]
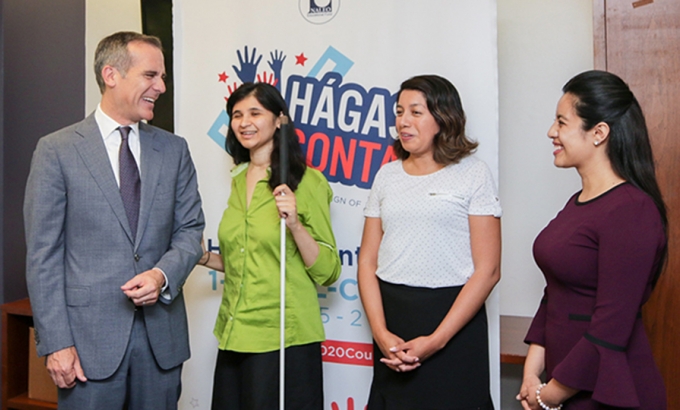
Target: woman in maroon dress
[601,257]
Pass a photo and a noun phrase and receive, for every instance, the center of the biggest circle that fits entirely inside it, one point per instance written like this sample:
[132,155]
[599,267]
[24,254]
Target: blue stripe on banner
[215,132]
[342,63]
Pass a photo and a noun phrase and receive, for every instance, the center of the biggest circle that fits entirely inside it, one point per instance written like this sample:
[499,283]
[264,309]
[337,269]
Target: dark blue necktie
[130,184]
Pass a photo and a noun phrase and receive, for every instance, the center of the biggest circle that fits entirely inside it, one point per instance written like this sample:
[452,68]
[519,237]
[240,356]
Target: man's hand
[64,368]
[144,288]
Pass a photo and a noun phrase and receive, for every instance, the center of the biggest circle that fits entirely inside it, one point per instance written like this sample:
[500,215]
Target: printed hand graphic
[268,79]
[248,68]
[350,405]
[276,64]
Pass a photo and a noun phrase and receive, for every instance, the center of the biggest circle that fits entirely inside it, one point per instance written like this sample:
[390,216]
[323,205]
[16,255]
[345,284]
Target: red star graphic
[300,60]
[223,77]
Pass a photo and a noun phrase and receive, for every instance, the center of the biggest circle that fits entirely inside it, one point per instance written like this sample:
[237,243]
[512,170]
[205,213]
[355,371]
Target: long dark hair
[443,101]
[604,97]
[270,98]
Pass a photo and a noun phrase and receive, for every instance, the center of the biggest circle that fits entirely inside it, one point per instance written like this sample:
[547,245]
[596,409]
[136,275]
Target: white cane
[283,163]
[282,347]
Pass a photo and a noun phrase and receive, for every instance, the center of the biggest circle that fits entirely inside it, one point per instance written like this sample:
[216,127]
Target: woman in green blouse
[247,328]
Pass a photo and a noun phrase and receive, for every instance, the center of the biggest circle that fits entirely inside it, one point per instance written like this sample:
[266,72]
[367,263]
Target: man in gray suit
[113,228]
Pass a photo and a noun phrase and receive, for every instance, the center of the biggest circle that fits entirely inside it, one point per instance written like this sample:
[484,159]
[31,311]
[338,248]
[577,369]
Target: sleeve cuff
[165,294]
[323,271]
[536,332]
[600,369]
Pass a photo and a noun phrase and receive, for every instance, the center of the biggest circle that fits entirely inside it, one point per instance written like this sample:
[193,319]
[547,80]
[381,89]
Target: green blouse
[248,319]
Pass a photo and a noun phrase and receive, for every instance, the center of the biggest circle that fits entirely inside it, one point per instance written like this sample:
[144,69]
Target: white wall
[541,45]
[101,19]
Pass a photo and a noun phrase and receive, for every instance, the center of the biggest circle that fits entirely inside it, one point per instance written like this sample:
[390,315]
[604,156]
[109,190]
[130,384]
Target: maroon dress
[598,258]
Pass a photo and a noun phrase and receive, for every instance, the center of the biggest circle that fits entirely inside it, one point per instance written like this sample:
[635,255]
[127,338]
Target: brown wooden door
[640,41]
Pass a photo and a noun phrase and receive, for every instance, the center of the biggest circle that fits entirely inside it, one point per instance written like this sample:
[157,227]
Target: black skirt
[456,377]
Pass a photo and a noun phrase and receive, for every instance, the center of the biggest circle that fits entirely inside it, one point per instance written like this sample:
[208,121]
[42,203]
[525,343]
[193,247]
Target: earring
[596,143]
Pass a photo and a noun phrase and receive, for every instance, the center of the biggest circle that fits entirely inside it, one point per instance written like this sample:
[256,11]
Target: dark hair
[603,97]
[270,98]
[113,51]
[450,143]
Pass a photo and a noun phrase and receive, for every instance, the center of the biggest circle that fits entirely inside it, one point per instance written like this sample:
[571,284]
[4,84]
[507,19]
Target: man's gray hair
[113,51]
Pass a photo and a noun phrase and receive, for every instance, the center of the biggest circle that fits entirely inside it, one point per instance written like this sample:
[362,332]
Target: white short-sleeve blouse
[426,241]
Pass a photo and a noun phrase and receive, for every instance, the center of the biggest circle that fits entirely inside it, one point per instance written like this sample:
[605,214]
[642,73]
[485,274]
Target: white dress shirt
[108,128]
[112,139]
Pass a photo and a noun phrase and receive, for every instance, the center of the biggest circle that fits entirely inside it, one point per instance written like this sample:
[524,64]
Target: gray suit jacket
[80,250]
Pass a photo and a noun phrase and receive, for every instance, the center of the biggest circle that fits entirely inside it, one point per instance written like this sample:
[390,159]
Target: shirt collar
[239,168]
[108,125]
[243,166]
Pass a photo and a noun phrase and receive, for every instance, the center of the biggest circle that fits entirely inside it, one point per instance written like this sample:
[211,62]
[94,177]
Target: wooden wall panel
[642,45]
[599,35]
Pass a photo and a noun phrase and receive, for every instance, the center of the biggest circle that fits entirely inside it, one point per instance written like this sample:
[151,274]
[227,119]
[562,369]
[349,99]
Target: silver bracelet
[540,402]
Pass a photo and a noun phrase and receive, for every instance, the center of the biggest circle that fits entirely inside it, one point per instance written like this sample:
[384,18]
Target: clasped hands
[64,365]
[144,288]
[402,356]
[527,393]
[552,395]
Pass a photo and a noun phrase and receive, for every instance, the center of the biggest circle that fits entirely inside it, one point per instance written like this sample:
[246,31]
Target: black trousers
[250,381]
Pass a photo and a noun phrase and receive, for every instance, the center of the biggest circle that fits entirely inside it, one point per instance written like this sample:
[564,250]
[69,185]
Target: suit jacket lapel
[152,161]
[93,153]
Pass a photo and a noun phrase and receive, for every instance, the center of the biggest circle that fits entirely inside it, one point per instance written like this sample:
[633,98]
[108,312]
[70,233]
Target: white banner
[338,64]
